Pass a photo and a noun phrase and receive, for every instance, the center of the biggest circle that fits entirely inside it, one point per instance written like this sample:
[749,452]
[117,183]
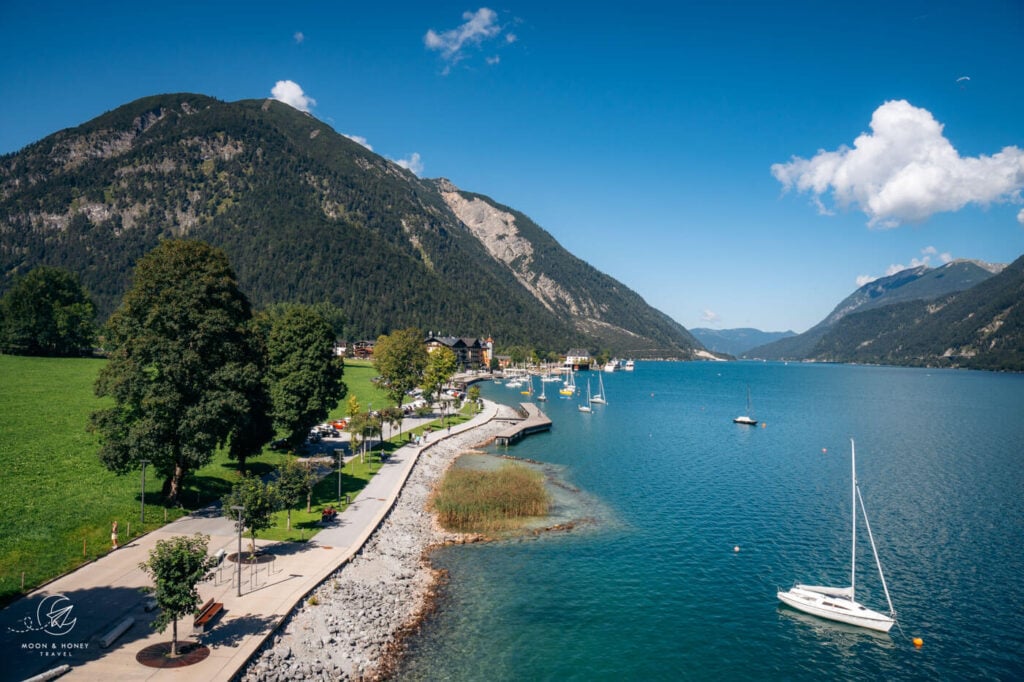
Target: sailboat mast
[853,517]
[874,550]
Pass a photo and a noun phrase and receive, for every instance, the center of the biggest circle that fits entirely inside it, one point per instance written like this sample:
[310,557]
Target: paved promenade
[105,593]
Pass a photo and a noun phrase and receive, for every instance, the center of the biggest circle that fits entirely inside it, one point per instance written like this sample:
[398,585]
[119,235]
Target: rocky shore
[351,625]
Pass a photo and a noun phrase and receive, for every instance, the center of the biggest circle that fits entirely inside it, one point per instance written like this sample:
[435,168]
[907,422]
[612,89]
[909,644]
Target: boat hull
[745,420]
[837,607]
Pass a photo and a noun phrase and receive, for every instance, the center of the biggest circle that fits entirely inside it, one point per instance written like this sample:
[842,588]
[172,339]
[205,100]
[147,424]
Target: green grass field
[57,501]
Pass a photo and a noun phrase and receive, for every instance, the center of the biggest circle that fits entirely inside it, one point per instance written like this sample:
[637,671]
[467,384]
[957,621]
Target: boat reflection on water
[833,632]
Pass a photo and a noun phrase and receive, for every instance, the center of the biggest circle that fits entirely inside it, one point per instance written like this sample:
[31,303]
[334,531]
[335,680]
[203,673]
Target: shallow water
[656,589]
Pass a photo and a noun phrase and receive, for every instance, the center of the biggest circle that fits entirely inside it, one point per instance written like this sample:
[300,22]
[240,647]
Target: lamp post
[341,463]
[239,509]
[144,462]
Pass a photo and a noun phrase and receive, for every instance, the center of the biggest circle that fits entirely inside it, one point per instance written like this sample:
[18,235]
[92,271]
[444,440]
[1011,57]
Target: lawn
[57,501]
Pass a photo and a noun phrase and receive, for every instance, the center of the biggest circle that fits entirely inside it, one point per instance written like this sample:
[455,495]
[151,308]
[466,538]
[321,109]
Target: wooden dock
[532,421]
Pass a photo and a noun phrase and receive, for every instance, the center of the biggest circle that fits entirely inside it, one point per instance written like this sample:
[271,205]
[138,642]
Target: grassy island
[473,501]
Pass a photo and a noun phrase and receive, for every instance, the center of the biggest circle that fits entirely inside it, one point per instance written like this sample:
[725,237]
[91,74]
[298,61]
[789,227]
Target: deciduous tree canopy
[183,369]
[46,312]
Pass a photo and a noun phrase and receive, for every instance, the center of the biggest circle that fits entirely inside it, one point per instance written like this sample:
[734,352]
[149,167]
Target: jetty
[532,421]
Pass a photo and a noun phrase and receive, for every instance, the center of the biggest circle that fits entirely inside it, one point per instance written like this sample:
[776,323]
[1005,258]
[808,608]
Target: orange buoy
[918,642]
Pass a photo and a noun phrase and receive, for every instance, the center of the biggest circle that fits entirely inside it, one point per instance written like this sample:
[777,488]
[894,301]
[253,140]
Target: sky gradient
[738,164]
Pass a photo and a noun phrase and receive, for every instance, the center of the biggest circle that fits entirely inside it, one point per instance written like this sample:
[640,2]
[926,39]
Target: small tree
[177,565]
[441,367]
[400,357]
[295,480]
[260,501]
[474,394]
[393,416]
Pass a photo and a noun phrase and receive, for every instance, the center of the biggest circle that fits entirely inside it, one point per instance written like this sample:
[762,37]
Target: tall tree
[183,370]
[46,312]
[441,367]
[304,374]
[400,358]
[177,565]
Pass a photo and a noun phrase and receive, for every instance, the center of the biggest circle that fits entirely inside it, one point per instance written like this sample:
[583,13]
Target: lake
[655,589]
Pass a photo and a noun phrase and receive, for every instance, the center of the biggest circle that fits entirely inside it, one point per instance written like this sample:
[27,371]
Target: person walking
[113,535]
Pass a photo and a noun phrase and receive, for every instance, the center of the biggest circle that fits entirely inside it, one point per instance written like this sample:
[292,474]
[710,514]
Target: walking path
[106,592]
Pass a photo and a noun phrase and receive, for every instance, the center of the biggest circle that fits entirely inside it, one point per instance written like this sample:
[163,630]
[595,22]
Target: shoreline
[352,625]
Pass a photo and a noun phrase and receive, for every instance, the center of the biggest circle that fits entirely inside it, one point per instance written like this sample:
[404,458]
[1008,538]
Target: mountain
[914,284]
[736,341]
[306,214]
[980,328]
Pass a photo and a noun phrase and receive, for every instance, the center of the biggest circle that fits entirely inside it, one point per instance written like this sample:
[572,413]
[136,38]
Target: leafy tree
[441,367]
[393,416]
[474,394]
[304,374]
[295,481]
[183,373]
[400,358]
[46,312]
[177,565]
[260,500]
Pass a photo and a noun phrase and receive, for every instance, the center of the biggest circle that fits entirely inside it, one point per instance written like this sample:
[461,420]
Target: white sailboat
[569,387]
[746,419]
[599,398]
[586,408]
[838,603]
[543,396]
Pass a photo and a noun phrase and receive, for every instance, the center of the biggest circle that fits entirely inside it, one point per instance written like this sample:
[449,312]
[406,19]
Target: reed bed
[472,501]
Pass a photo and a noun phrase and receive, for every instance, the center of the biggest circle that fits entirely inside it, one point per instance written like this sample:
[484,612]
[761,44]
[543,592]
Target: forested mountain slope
[304,214]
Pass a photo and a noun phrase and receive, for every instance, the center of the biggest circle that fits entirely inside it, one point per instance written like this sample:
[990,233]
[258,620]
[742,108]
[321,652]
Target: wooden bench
[205,614]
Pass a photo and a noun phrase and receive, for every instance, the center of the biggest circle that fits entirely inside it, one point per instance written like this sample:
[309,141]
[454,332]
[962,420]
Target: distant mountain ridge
[979,326]
[306,214]
[920,283]
[736,342]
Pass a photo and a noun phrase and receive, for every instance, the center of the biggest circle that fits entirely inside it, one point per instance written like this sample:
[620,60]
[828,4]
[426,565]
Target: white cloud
[299,37]
[478,26]
[928,254]
[1020,217]
[291,94]
[359,139]
[414,163]
[904,170]
[709,316]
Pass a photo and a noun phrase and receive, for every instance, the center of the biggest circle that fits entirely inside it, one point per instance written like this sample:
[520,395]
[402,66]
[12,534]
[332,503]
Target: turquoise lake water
[654,589]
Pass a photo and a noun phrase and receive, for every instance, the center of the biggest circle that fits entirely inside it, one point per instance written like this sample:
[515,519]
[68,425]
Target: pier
[533,421]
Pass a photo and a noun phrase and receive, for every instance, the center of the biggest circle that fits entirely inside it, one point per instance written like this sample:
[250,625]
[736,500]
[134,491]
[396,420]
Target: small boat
[612,365]
[838,603]
[599,398]
[529,388]
[746,419]
[569,387]
[629,366]
[543,396]
[586,408]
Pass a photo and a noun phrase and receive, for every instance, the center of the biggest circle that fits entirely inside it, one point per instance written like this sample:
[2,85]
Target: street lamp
[239,509]
[144,462]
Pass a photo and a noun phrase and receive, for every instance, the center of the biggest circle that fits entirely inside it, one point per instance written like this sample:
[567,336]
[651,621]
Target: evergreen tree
[183,370]
[46,312]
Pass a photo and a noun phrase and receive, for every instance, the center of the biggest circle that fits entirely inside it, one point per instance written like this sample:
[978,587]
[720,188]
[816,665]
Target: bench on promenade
[205,614]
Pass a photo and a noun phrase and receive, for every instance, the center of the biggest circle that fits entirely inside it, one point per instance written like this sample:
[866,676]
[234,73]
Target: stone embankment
[351,625]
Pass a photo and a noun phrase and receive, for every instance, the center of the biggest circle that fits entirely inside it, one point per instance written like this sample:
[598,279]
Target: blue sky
[739,164]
